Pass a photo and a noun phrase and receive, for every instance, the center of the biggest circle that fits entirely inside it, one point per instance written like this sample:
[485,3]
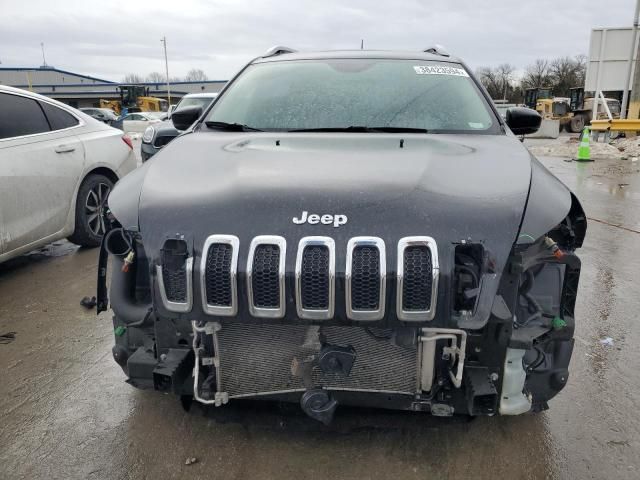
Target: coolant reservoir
[513,401]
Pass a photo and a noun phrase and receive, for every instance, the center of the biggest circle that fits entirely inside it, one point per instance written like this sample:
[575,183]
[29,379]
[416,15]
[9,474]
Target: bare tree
[196,75]
[498,81]
[132,78]
[537,74]
[505,74]
[581,69]
[566,73]
[156,77]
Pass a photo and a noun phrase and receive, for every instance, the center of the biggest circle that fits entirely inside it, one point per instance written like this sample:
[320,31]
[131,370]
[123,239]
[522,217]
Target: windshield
[372,93]
[195,102]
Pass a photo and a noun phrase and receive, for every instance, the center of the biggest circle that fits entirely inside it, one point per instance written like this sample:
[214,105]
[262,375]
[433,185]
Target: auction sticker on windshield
[440,70]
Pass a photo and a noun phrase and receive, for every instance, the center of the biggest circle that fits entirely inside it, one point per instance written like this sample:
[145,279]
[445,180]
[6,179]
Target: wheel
[577,123]
[91,201]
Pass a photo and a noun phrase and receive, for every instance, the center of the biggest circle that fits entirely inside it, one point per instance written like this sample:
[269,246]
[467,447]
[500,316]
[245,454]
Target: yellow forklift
[573,112]
[135,98]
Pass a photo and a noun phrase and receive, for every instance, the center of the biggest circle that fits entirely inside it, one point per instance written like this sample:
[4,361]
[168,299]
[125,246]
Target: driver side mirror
[183,118]
[523,121]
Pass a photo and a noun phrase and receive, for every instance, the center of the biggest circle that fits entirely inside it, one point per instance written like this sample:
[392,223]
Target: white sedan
[139,121]
[57,166]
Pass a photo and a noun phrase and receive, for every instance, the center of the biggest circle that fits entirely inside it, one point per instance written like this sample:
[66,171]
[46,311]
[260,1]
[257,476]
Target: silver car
[57,166]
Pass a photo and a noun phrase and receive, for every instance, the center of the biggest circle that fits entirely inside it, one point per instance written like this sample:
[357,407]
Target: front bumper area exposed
[514,362]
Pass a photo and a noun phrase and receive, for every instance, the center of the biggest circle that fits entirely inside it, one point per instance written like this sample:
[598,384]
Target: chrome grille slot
[417,278]
[218,270]
[416,294]
[265,276]
[365,278]
[174,276]
[266,288]
[315,278]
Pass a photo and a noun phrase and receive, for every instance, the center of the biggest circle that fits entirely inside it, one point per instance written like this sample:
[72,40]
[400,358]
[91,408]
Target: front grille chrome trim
[316,314]
[417,315]
[370,315]
[177,307]
[210,309]
[281,243]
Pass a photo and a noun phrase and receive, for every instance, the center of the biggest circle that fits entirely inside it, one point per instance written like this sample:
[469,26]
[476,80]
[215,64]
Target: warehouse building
[80,90]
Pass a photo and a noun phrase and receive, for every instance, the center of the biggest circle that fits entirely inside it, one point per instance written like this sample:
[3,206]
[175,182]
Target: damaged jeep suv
[353,227]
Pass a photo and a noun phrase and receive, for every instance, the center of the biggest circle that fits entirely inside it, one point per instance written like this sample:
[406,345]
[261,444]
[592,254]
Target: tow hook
[319,405]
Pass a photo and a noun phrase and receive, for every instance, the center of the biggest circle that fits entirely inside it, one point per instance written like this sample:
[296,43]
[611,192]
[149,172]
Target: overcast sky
[109,39]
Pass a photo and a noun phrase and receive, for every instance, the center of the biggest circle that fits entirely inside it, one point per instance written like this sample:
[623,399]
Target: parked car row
[57,167]
[139,121]
[157,135]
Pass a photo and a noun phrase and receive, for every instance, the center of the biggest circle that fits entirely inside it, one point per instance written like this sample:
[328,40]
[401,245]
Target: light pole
[44,60]
[166,67]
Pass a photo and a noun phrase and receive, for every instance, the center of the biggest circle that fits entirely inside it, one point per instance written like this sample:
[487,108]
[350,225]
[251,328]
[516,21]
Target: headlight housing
[148,134]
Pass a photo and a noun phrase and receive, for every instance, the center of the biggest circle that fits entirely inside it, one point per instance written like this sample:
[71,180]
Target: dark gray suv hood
[451,187]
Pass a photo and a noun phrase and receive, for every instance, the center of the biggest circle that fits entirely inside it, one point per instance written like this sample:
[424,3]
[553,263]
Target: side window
[136,117]
[58,118]
[129,117]
[20,116]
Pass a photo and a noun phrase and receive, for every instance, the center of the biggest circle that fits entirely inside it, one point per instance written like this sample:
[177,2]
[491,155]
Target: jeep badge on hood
[325,219]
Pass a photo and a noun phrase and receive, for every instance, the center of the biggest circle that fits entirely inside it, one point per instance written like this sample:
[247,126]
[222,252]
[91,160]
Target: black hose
[132,313]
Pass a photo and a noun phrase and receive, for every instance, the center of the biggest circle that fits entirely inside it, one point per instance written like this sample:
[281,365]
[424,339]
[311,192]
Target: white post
[603,41]
[632,52]
[606,107]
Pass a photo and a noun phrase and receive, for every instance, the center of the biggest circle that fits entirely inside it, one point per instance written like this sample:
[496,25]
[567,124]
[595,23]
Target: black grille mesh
[417,282]
[365,278]
[265,281]
[314,278]
[218,274]
[174,277]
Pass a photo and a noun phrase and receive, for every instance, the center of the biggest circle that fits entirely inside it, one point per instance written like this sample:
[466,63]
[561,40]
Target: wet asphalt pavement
[66,413]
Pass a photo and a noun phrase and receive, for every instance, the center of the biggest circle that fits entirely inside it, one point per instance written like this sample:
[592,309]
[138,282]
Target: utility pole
[166,67]
[628,79]
[362,42]
[44,60]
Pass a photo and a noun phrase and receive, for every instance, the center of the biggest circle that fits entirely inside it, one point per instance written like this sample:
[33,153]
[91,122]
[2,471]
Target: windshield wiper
[355,128]
[231,127]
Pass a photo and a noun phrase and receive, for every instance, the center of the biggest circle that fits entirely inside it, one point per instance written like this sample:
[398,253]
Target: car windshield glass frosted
[317,94]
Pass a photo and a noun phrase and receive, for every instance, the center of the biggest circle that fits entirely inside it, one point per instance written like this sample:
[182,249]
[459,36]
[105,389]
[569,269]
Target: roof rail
[278,50]
[437,49]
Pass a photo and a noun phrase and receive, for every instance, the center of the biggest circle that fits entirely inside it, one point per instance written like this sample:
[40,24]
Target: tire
[92,198]
[577,123]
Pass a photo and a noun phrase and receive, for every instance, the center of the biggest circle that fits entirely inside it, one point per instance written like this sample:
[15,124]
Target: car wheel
[90,203]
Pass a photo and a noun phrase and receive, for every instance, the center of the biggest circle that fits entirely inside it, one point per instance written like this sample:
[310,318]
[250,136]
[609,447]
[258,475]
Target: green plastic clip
[119,331]
[557,323]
